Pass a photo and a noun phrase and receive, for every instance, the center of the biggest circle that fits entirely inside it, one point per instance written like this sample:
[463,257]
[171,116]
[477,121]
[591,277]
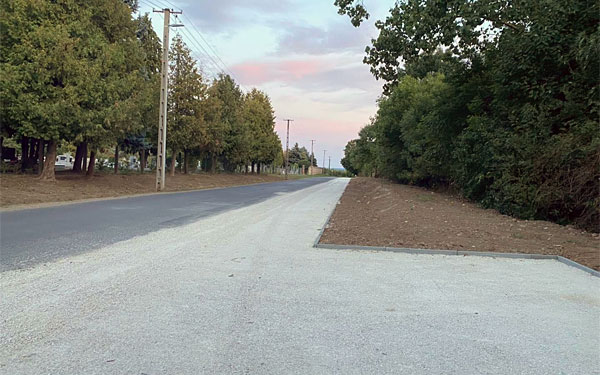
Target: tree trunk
[173,159]
[40,155]
[142,160]
[258,168]
[117,159]
[24,153]
[91,164]
[246,168]
[185,162]
[213,163]
[84,159]
[36,152]
[48,169]
[32,144]
[78,158]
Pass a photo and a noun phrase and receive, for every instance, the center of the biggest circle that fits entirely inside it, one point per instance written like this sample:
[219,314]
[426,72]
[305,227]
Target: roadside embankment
[375,212]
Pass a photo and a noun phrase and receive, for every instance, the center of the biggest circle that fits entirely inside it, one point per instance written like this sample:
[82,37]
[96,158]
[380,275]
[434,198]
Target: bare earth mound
[16,190]
[374,212]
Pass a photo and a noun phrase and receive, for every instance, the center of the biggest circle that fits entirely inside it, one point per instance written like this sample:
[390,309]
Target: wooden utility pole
[312,156]
[329,169]
[324,159]
[287,147]
[162,118]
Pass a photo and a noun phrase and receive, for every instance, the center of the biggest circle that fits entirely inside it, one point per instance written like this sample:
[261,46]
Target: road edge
[34,206]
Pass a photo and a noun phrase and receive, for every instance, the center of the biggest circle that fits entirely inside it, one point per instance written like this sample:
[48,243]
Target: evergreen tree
[186,129]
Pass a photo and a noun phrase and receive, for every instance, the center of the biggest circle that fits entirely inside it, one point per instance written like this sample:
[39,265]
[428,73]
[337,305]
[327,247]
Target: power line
[194,42]
[224,65]
[221,67]
[150,3]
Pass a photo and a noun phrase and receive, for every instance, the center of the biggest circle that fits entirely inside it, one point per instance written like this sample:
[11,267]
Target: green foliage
[186,127]
[300,157]
[229,136]
[88,72]
[260,120]
[500,99]
[71,71]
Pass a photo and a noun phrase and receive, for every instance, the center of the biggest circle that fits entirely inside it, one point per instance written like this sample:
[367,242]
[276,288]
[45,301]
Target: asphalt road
[34,236]
[244,292]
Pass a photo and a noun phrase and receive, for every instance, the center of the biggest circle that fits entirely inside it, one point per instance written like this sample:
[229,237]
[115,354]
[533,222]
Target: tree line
[87,74]
[499,99]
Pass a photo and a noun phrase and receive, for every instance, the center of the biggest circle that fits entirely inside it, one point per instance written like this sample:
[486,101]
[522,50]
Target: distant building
[315,170]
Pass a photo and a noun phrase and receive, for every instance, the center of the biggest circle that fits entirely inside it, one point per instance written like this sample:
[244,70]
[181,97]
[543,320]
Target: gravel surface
[244,292]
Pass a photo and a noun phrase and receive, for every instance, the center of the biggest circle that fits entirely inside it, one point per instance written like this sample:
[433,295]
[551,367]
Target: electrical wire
[218,63]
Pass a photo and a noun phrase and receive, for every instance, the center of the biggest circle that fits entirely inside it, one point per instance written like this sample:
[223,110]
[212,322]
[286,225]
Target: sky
[302,53]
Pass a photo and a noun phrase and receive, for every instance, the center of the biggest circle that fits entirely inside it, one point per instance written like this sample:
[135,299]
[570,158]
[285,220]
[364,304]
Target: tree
[512,119]
[299,156]
[144,135]
[186,125]
[68,71]
[228,137]
[43,62]
[260,119]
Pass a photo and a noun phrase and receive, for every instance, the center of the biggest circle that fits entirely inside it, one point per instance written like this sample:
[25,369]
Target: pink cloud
[256,73]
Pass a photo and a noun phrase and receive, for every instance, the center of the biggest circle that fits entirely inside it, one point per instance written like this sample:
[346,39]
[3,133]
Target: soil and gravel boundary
[379,215]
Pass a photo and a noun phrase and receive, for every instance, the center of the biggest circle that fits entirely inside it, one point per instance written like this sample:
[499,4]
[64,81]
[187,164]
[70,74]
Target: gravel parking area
[245,292]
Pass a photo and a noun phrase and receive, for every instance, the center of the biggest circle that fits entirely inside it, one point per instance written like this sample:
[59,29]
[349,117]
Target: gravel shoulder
[375,212]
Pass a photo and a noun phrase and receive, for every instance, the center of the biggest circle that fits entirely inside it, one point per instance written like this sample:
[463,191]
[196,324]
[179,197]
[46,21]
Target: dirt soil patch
[374,212]
[27,191]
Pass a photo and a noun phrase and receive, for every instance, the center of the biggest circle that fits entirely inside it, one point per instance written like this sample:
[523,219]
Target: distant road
[33,236]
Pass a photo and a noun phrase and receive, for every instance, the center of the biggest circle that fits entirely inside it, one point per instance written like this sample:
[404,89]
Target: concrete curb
[571,263]
[491,254]
[559,258]
[316,243]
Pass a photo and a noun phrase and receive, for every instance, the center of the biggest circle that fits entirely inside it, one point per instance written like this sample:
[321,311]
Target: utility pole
[312,156]
[329,169]
[324,159]
[287,147]
[162,118]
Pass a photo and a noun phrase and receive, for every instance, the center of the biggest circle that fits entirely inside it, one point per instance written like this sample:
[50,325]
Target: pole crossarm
[171,11]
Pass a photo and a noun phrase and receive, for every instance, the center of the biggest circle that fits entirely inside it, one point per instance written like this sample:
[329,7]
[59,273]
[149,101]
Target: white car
[63,162]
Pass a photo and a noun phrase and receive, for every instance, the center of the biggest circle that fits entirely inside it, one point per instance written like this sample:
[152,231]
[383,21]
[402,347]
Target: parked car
[63,162]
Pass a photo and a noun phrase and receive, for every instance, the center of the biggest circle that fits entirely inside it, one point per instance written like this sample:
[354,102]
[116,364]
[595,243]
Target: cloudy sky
[304,55]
